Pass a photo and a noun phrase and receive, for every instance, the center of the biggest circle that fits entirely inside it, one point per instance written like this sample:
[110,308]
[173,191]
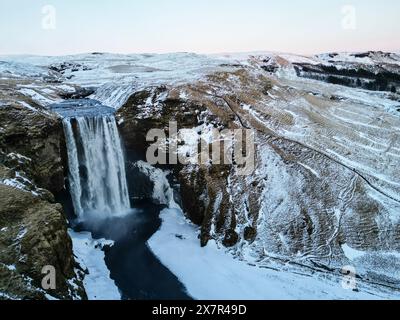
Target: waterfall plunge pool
[96,195]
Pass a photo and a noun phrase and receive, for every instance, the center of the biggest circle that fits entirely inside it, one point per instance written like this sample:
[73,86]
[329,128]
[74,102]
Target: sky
[59,27]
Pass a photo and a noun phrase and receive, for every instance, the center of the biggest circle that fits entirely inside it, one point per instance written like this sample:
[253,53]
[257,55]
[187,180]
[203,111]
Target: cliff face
[38,137]
[154,108]
[33,229]
[317,194]
[376,71]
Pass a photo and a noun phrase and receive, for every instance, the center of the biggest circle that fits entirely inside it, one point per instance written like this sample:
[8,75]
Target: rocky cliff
[317,193]
[33,229]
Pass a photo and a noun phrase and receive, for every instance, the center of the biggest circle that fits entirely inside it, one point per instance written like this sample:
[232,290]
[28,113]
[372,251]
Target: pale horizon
[17,55]
[56,27]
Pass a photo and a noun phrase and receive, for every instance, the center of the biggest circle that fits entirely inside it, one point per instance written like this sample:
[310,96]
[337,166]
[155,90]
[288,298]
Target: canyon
[324,193]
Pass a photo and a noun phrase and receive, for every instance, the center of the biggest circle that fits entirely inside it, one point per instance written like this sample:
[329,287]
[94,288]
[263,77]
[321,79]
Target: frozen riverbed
[213,273]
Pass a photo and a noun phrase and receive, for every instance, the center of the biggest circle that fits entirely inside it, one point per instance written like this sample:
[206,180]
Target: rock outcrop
[33,229]
[34,235]
[38,137]
[357,71]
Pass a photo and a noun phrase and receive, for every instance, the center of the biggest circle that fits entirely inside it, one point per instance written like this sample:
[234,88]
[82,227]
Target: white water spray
[97,177]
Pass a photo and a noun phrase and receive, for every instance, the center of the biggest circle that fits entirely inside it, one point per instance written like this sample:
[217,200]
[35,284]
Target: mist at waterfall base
[97,199]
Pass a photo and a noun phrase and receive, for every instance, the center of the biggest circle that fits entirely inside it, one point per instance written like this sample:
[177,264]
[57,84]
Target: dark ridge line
[239,118]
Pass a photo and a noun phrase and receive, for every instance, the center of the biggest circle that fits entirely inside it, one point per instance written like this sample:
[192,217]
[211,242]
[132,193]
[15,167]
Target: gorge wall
[33,228]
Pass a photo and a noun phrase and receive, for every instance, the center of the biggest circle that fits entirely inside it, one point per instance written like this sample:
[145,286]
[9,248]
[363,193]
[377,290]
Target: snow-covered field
[212,273]
[115,77]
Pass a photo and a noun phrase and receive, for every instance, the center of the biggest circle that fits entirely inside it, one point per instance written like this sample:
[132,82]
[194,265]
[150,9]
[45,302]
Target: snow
[21,234]
[50,297]
[66,88]
[344,57]
[89,254]
[212,273]
[37,97]
[18,156]
[188,149]
[244,57]
[183,95]
[17,184]
[5,296]
[373,58]
[162,192]
[358,129]
[117,76]
[26,105]
[315,173]
[21,183]
[11,267]
[298,59]
[351,253]
[20,68]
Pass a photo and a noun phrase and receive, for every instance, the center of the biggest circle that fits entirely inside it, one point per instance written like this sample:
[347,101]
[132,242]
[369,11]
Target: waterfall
[97,177]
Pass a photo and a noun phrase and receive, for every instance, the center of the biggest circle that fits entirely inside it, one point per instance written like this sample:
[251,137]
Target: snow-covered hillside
[325,192]
[114,77]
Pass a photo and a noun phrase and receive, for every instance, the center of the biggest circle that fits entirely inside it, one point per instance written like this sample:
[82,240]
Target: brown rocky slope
[33,229]
[305,203]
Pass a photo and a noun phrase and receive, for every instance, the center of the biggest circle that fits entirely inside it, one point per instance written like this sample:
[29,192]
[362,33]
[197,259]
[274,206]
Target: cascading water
[99,193]
[97,177]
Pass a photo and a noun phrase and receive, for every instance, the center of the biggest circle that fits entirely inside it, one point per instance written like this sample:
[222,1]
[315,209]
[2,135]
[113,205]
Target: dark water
[136,271]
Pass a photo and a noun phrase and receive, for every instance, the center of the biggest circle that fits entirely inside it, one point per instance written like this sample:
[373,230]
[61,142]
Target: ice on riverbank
[212,273]
[88,253]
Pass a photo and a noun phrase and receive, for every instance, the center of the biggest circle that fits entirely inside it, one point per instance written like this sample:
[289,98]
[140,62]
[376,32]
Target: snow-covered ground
[356,129]
[114,76]
[212,273]
[89,254]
